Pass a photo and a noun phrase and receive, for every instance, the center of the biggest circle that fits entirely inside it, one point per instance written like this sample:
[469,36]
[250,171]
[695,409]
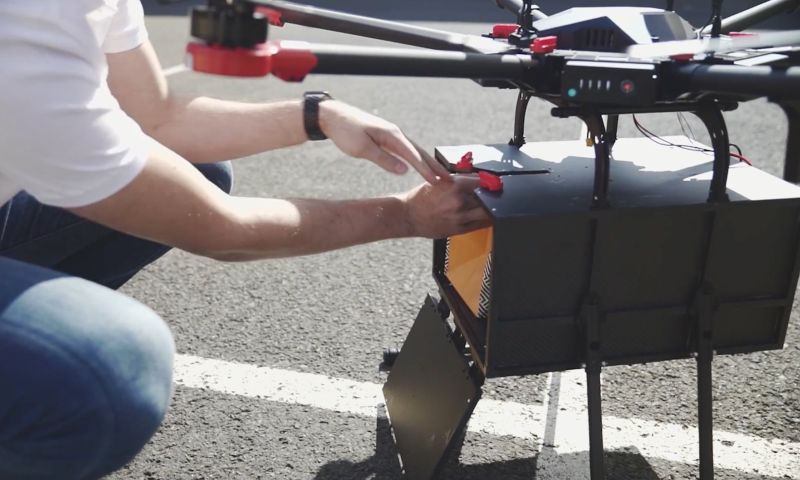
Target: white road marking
[568,435]
[671,442]
[168,72]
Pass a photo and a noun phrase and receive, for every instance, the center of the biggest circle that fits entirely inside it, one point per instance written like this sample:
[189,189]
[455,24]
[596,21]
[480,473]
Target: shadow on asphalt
[384,464]
[486,11]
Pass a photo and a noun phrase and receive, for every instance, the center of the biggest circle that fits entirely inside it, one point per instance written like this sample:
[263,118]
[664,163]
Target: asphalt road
[333,314]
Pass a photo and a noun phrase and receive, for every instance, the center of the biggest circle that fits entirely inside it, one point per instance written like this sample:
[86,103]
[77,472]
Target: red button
[627,86]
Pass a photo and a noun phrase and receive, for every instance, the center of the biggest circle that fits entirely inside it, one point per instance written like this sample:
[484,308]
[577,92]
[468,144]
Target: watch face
[318,95]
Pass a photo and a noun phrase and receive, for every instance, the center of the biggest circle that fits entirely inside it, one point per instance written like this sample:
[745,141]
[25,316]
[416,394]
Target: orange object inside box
[466,264]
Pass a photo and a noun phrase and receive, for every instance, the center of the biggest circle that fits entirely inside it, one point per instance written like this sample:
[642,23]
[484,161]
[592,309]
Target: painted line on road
[174,70]
[565,431]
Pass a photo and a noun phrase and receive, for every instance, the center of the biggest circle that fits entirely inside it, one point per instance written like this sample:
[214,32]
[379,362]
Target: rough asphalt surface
[333,314]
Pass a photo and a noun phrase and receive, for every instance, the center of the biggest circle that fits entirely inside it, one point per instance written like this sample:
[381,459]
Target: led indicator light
[627,86]
[572,93]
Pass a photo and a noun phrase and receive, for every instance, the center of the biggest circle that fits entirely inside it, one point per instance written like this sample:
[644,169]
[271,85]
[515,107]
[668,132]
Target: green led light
[572,92]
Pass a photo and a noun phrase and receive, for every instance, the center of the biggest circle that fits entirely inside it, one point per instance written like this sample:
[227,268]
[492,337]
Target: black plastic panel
[430,394]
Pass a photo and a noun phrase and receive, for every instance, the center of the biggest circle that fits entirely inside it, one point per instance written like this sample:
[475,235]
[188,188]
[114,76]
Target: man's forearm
[269,228]
[209,130]
[171,203]
[199,129]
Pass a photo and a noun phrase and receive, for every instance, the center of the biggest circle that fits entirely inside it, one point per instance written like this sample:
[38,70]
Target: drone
[586,61]
[623,263]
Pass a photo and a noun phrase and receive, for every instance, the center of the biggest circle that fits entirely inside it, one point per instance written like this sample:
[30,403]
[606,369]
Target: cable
[693,148]
[682,120]
[741,158]
[708,22]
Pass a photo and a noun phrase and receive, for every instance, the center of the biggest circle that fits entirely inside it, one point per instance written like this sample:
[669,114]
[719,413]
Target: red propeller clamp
[232,62]
[490,182]
[465,164]
[274,17]
[287,60]
[504,30]
[544,45]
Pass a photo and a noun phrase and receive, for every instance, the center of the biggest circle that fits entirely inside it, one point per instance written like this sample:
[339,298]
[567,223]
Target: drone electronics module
[601,252]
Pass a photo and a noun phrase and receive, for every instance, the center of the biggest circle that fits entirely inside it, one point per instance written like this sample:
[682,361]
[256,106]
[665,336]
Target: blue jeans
[85,372]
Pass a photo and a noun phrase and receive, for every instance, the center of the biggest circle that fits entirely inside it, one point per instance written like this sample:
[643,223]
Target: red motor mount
[287,60]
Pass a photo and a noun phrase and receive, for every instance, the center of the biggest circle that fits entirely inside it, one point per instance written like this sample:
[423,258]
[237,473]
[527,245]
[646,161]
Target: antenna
[670,5]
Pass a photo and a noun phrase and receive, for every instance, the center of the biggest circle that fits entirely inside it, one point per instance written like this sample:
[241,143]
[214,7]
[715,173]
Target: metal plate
[430,394]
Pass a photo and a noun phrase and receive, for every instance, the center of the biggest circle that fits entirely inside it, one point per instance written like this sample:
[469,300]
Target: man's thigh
[85,375]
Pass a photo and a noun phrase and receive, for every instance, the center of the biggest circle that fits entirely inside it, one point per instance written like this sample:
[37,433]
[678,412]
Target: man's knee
[95,385]
[220,174]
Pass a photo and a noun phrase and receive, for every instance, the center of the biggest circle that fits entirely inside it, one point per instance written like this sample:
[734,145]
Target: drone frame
[697,88]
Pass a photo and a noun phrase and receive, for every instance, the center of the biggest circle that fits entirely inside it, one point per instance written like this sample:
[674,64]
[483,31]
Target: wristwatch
[311,101]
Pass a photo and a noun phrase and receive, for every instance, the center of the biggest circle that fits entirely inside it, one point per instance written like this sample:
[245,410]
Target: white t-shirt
[63,137]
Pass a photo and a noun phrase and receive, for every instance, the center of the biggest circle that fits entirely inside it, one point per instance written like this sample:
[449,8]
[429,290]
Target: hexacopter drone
[637,259]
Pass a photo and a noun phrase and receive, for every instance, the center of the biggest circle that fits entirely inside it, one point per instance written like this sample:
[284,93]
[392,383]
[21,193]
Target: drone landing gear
[604,136]
[711,115]
[518,140]
[791,169]
[602,156]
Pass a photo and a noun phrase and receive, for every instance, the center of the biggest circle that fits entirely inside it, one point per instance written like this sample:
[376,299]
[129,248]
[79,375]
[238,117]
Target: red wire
[741,158]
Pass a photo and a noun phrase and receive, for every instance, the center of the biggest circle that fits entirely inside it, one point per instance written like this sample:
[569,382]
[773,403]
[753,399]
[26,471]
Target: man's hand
[445,208]
[362,135]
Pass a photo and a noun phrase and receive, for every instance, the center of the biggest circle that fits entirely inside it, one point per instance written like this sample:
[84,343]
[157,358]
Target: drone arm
[514,6]
[739,80]
[379,29]
[752,16]
[352,60]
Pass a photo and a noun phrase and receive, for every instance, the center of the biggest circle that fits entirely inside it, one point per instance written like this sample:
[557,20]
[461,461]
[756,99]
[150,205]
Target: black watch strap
[311,101]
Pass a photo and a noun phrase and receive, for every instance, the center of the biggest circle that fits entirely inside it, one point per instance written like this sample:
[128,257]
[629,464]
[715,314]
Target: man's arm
[170,202]
[208,130]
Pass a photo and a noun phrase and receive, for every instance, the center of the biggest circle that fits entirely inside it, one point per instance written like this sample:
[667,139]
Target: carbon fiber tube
[381,29]
[348,60]
[739,80]
[752,16]
[513,6]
